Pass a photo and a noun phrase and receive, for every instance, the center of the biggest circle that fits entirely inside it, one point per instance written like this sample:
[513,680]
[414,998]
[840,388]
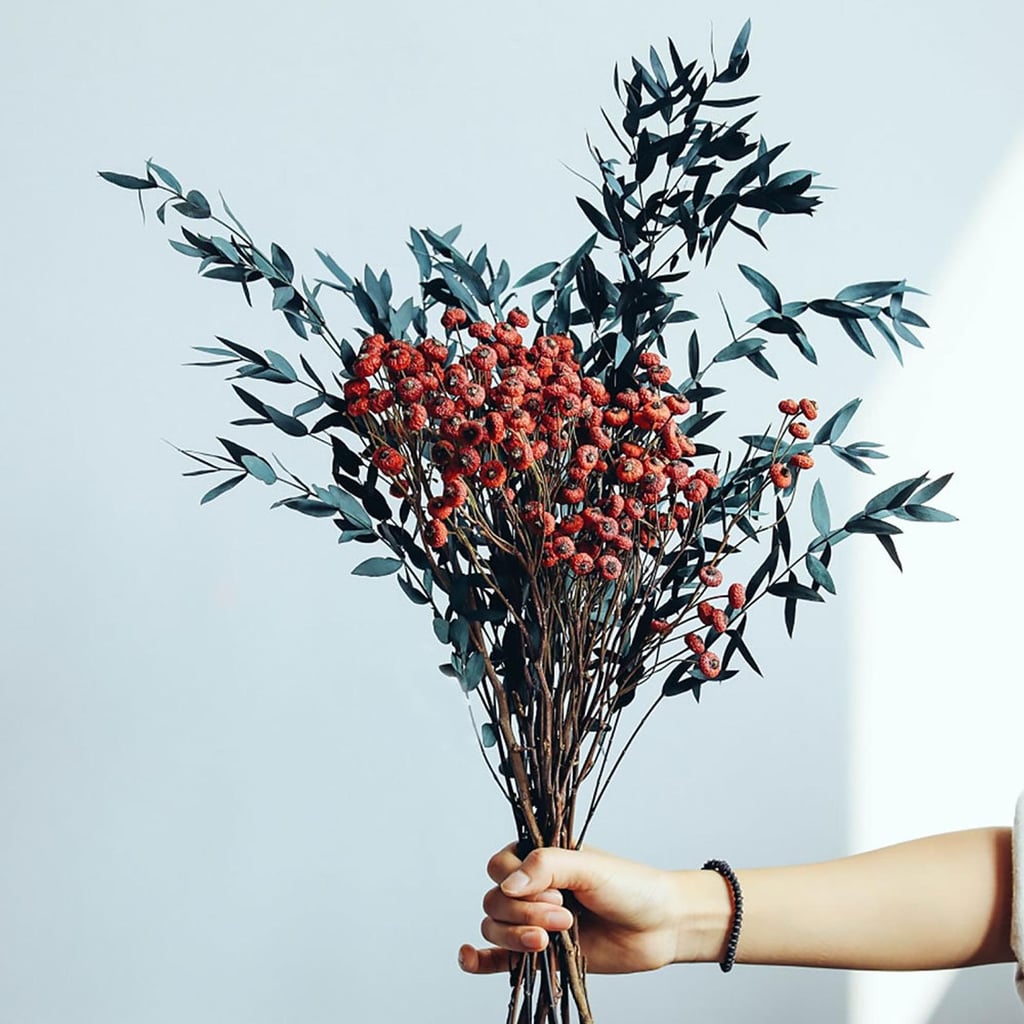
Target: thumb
[552,868]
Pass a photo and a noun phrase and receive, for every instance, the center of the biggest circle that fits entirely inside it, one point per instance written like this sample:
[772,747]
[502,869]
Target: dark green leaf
[127,180]
[868,524]
[890,549]
[411,592]
[794,590]
[739,349]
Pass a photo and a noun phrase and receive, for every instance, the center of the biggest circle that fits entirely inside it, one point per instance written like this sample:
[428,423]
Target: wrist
[703,915]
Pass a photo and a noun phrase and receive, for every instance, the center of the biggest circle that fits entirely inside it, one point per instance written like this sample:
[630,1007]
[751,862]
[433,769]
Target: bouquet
[537,457]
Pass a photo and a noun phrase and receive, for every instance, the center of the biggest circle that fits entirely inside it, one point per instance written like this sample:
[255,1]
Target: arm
[942,901]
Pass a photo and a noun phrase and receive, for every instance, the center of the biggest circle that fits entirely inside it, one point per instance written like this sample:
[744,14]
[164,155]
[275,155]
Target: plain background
[233,786]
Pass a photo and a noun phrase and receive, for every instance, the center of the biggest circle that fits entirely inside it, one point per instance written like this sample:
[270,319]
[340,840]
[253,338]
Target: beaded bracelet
[737,901]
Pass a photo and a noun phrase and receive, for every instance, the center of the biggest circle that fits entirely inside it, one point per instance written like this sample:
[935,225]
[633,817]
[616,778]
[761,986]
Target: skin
[936,902]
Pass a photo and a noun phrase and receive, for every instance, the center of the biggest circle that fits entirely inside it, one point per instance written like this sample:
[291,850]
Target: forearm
[938,902]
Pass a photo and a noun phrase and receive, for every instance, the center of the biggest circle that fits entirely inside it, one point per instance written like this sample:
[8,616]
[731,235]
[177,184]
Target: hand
[630,915]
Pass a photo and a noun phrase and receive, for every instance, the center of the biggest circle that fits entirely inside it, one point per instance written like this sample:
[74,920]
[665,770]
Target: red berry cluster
[780,474]
[593,475]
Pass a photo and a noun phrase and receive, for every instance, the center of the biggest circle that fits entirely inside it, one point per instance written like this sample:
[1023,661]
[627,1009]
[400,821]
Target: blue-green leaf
[165,176]
[739,349]
[768,291]
[927,514]
[220,489]
[819,573]
[833,427]
[411,592]
[441,630]
[473,674]
[377,567]
[929,490]
[335,269]
[226,249]
[281,261]
[259,468]
[538,272]
[488,735]
[279,363]
[819,509]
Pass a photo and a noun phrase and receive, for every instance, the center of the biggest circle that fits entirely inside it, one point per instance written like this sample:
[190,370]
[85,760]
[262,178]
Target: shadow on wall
[981,995]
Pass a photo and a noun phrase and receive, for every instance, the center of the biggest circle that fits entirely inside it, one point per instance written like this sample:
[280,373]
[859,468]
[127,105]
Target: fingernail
[516,882]
[558,920]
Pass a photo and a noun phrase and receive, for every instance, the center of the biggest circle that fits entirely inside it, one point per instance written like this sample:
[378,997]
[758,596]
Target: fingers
[486,961]
[548,868]
[537,912]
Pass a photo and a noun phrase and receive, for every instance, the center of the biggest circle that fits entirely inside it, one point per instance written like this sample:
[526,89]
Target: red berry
[517,318]
[789,406]
[661,627]
[801,460]
[435,533]
[695,491]
[453,317]
[737,595]
[710,576]
[800,430]
[582,564]
[480,330]
[388,461]
[492,474]
[609,567]
[695,643]
[719,620]
[781,476]
[704,612]
[809,408]
[710,665]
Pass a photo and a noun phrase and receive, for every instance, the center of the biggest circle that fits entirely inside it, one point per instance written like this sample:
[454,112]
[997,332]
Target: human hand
[631,917]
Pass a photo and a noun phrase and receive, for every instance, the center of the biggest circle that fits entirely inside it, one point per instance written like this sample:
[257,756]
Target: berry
[416,417]
[704,612]
[435,533]
[695,491]
[660,626]
[789,406]
[388,461]
[518,318]
[453,317]
[480,330]
[719,620]
[709,477]
[801,460]
[507,335]
[710,665]
[800,430]
[695,643]
[582,564]
[492,474]
[609,567]
[809,408]
[737,595]
[781,477]
[660,375]
[710,576]
[629,470]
